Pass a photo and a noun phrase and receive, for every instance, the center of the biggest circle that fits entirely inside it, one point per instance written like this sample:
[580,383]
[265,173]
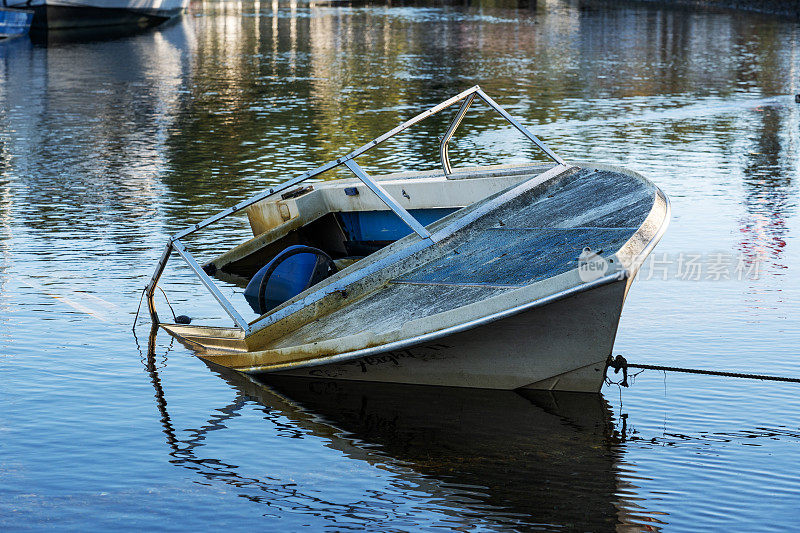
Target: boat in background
[65,14]
[494,277]
[14,22]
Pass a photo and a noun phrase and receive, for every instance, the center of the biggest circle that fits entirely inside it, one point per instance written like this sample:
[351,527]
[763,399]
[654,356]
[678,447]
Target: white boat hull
[560,346]
[64,14]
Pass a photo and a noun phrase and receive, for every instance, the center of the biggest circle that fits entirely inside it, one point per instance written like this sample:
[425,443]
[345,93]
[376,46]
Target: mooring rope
[716,373]
[620,363]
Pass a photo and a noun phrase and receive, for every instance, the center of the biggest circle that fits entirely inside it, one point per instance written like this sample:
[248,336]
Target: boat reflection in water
[540,456]
[508,459]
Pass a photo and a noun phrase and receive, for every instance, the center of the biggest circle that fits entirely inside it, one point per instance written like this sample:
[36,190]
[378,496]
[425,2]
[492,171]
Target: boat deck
[536,236]
[517,257]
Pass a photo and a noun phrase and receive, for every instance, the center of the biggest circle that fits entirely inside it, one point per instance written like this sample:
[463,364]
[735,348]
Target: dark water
[108,146]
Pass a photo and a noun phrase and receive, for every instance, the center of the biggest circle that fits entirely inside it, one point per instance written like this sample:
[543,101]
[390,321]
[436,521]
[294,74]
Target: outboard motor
[288,274]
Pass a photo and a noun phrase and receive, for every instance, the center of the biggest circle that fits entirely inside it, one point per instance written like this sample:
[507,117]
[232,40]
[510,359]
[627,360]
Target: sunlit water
[109,146]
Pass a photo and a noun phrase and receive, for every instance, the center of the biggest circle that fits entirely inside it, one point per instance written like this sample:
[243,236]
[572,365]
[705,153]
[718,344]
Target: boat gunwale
[431,336]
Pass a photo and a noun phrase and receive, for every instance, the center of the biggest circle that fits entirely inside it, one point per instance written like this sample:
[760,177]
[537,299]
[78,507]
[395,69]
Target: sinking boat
[503,277]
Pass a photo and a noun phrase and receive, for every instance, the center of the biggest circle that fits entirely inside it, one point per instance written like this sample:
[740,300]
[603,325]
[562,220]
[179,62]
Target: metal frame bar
[522,129]
[468,96]
[209,283]
[151,286]
[444,152]
[388,200]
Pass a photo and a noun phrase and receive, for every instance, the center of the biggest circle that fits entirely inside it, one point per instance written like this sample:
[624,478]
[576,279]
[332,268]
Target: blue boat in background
[14,22]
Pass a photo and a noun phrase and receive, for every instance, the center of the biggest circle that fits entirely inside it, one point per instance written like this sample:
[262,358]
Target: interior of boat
[347,222]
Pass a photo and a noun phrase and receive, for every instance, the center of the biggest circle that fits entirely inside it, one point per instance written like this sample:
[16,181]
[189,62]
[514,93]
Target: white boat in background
[493,277]
[64,14]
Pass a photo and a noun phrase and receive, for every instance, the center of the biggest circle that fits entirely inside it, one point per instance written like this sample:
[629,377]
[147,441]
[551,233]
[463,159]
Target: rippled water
[109,145]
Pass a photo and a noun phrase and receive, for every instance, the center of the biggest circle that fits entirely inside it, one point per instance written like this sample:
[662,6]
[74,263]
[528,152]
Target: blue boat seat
[288,274]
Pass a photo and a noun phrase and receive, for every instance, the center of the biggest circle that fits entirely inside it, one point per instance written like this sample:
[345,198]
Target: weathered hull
[560,346]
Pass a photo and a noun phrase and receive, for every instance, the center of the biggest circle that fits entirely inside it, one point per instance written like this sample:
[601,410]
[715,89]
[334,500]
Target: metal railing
[174,243]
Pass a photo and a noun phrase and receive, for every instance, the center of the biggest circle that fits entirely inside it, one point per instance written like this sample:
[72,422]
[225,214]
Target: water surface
[107,146]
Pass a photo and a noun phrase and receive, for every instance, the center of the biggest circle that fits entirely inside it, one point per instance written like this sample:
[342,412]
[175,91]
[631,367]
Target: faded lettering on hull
[395,358]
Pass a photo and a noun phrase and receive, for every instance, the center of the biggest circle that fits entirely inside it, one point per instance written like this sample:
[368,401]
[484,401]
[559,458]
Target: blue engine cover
[288,274]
